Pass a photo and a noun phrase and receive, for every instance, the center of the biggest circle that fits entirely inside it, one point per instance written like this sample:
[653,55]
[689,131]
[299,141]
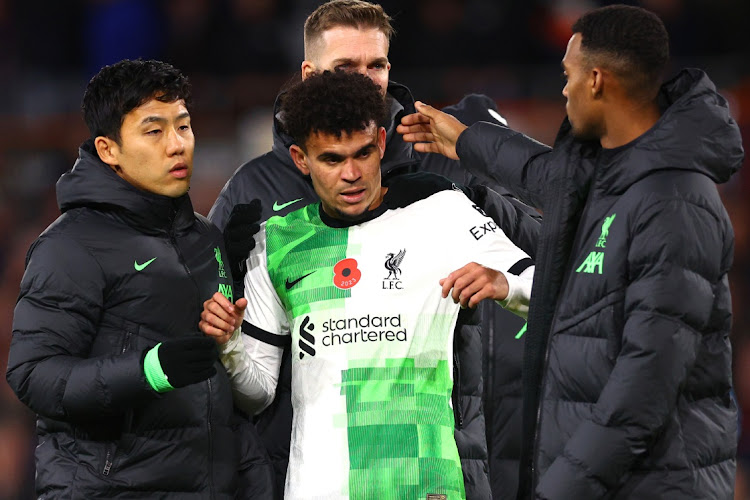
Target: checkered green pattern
[400,431]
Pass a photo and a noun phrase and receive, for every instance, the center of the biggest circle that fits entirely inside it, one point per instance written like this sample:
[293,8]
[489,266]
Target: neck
[627,122]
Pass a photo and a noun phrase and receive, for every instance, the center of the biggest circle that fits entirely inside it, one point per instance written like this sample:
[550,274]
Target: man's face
[345,171]
[582,106]
[350,49]
[156,147]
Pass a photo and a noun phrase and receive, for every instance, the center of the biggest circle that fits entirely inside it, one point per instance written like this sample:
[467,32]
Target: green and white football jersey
[372,342]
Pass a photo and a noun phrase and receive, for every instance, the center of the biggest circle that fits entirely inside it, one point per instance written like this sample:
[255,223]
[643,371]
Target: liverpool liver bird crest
[392,262]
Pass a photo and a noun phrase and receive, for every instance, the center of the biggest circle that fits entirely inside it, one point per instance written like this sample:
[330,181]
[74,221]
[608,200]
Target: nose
[350,172]
[175,143]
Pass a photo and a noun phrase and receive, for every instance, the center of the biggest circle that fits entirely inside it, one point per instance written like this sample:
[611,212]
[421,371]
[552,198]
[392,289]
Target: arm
[668,304]
[250,334]
[55,323]
[498,269]
[494,153]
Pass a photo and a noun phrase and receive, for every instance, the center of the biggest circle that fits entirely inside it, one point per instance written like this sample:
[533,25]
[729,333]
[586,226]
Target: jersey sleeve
[489,246]
[265,316]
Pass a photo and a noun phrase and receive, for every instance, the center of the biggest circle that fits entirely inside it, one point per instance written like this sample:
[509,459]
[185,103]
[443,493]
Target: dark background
[238,53]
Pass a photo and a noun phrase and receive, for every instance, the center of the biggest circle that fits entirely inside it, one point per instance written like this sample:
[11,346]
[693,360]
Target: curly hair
[629,41]
[333,103]
[123,86]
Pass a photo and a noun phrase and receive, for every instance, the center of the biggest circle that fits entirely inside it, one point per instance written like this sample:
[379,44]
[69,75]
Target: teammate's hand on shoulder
[473,283]
[242,225]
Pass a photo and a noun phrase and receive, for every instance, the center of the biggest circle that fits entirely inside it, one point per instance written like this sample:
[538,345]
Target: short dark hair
[121,87]
[350,13]
[629,41]
[332,103]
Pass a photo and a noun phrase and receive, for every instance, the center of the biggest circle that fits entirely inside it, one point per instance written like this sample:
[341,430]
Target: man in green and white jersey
[367,285]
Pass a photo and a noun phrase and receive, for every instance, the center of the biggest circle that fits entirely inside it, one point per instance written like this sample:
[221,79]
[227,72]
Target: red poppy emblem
[346,274]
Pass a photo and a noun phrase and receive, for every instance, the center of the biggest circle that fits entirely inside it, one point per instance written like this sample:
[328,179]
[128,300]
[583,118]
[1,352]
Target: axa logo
[393,265]
[346,274]
[594,263]
[306,338]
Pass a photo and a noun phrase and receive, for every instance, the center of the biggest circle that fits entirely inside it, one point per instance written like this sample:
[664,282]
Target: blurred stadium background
[238,53]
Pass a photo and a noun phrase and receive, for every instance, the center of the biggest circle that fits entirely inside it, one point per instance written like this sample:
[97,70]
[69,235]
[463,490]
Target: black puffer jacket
[118,272]
[274,179]
[628,360]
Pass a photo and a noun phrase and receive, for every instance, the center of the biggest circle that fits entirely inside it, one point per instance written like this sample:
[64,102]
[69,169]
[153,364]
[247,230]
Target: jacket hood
[694,133]
[397,152]
[91,183]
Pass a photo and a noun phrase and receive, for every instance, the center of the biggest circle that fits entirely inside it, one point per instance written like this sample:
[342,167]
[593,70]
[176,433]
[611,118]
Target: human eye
[154,131]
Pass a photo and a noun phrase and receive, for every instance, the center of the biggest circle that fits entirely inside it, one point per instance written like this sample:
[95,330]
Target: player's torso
[372,354]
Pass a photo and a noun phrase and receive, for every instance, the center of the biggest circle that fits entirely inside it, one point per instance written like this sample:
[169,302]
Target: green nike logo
[277,207]
[141,267]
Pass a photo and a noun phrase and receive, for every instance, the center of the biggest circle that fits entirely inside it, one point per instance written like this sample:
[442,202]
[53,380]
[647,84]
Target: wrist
[155,376]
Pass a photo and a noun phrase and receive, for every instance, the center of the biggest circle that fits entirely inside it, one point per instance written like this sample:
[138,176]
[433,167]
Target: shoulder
[475,108]
[406,189]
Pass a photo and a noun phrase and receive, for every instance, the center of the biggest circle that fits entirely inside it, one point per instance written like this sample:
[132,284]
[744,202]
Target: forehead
[346,42]
[347,144]
[573,53]
[154,109]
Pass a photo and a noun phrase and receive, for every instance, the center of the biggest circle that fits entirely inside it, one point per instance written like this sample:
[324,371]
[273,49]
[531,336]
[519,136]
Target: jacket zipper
[563,285]
[173,240]
[457,413]
[107,463]
[108,458]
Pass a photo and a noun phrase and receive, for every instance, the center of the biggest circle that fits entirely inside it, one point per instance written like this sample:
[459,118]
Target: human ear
[299,157]
[108,151]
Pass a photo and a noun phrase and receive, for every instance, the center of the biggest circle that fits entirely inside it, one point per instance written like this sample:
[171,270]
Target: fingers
[469,285]
[220,315]
[414,119]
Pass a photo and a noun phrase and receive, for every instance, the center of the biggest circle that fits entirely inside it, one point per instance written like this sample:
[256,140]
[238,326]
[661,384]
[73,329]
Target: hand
[241,226]
[188,360]
[431,130]
[220,318]
[474,283]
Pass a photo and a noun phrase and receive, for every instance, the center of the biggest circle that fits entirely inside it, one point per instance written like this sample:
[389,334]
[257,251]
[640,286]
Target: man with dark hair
[355,36]
[131,398]
[627,369]
[353,283]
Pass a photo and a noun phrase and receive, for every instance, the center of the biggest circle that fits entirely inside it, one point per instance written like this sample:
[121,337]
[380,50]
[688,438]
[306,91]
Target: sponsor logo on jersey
[480,231]
[335,332]
[437,496]
[346,274]
[306,338]
[365,328]
[392,264]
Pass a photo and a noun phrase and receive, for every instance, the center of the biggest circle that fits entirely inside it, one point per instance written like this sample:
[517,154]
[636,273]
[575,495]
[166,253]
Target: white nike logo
[497,116]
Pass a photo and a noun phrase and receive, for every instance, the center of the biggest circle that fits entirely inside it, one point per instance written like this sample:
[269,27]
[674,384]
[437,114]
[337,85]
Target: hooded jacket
[118,272]
[275,180]
[627,367]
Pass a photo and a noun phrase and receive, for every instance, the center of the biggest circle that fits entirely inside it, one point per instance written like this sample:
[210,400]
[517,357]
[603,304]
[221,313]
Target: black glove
[189,360]
[243,223]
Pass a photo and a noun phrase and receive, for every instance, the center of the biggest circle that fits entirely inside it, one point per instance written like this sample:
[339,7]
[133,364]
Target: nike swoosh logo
[277,207]
[141,267]
[290,284]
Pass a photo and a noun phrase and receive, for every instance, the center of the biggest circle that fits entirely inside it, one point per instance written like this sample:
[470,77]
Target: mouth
[179,171]
[353,196]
